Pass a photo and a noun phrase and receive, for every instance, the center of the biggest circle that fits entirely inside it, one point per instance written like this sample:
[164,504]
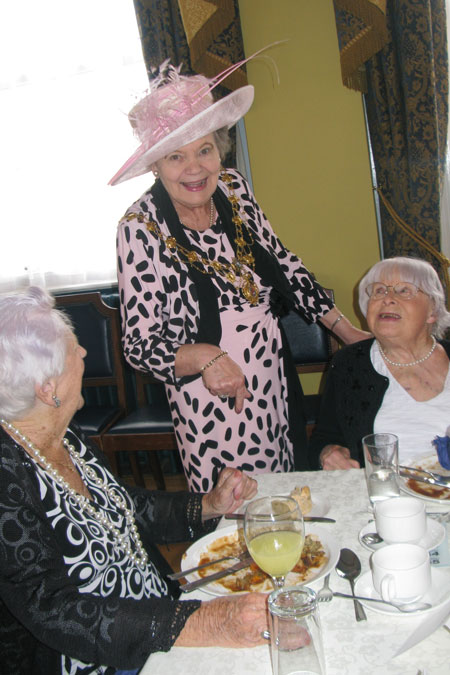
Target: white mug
[401,520]
[401,572]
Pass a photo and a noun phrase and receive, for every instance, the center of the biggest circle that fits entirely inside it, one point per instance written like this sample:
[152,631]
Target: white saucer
[433,537]
[437,595]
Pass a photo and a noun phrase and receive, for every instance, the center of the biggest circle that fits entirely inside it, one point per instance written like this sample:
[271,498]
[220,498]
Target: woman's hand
[227,622]
[225,379]
[335,457]
[232,489]
[222,378]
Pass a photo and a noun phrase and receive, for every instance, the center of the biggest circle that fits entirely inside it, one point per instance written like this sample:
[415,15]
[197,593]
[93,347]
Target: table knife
[442,481]
[307,519]
[192,585]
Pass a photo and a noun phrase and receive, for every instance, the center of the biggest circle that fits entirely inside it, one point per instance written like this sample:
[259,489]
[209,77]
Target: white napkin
[433,621]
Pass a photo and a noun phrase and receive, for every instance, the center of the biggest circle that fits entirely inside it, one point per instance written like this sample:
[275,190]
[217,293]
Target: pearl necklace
[121,543]
[413,363]
[211,216]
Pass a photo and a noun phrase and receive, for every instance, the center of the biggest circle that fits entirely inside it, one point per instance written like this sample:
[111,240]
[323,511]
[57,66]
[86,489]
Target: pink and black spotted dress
[160,304]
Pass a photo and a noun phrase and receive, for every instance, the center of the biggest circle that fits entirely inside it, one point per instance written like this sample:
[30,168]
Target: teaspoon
[371,538]
[406,607]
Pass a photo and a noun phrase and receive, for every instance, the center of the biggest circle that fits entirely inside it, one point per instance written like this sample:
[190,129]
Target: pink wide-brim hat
[178,111]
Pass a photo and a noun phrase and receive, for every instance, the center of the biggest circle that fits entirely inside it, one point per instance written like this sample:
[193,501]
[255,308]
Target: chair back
[97,327]
[312,345]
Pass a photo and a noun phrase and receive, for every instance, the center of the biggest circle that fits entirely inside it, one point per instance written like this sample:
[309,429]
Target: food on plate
[429,491]
[252,578]
[302,496]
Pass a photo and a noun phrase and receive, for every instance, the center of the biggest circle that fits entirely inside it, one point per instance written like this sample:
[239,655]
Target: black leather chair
[97,327]
[147,429]
[312,347]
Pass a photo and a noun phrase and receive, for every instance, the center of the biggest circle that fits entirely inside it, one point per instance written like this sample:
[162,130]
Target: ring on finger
[265,634]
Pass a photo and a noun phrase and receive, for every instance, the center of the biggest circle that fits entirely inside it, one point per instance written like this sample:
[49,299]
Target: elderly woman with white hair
[83,587]
[396,382]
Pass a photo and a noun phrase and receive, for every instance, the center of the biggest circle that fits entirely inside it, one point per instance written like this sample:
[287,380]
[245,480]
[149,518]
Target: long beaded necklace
[121,541]
[412,363]
[238,272]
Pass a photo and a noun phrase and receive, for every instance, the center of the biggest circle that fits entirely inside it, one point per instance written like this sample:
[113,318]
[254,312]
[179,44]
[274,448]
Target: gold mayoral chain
[238,272]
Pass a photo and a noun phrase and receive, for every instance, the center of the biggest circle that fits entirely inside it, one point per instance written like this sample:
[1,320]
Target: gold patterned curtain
[407,109]
[203,35]
[362,32]
[213,34]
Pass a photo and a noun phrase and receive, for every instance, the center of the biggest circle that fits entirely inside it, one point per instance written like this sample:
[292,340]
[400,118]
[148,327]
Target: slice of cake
[302,496]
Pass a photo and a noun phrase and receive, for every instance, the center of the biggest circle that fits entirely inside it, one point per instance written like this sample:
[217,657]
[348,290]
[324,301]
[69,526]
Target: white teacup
[401,572]
[401,520]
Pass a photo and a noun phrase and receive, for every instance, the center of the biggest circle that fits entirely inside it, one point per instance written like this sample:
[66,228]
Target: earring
[56,400]
[156,173]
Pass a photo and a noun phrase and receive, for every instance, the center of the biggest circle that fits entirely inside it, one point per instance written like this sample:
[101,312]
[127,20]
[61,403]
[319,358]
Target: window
[70,72]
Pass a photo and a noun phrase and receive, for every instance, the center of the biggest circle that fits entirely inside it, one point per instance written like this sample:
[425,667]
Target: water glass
[295,633]
[381,462]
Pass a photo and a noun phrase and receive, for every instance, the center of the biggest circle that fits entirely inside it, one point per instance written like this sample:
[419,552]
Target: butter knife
[192,585]
[307,519]
[416,474]
[184,573]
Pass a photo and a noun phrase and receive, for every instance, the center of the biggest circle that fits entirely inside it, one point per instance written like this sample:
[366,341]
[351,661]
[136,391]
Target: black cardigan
[353,395]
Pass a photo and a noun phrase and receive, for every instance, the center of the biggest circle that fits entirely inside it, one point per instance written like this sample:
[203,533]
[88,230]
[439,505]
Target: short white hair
[33,346]
[415,271]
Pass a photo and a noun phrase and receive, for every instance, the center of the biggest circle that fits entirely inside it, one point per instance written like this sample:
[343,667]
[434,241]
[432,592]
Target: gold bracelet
[336,321]
[210,363]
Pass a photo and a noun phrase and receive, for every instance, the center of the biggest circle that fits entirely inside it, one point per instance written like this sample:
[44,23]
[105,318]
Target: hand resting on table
[334,457]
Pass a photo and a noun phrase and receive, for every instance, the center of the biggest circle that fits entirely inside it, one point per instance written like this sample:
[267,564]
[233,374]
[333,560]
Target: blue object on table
[442,445]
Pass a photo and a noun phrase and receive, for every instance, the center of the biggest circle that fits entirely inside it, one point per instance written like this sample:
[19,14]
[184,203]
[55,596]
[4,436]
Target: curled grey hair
[222,139]
[33,345]
[415,271]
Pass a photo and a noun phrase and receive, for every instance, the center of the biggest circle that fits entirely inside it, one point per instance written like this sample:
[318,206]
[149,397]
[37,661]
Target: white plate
[192,556]
[320,507]
[433,537]
[437,595]
[431,463]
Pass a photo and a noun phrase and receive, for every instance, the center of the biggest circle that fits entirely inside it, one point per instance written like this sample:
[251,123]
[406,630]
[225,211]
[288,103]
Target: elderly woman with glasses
[397,381]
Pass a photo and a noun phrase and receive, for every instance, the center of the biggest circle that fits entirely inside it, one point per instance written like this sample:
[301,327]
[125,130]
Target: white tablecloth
[351,648]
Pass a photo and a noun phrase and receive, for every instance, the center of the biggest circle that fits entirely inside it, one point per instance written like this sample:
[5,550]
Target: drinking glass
[381,462]
[295,633]
[274,533]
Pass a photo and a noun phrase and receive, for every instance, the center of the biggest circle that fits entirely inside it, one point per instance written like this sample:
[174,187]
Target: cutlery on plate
[184,573]
[349,567]
[307,519]
[192,585]
[401,606]
[424,476]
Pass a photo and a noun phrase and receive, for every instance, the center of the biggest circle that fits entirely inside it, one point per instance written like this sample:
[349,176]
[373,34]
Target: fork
[325,594]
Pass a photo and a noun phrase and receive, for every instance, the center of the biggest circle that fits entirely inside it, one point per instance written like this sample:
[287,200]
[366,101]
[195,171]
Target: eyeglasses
[403,290]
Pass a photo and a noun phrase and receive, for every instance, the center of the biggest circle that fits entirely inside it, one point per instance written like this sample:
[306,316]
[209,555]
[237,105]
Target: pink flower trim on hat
[174,99]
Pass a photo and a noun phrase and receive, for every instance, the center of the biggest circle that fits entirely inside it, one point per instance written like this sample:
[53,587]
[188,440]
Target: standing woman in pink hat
[202,276]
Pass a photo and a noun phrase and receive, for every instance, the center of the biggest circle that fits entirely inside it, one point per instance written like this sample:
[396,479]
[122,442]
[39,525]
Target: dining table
[383,644]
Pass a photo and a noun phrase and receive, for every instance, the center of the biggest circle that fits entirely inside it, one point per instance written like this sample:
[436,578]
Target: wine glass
[274,533]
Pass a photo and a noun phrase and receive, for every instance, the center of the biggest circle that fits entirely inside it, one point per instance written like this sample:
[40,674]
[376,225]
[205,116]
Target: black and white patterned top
[71,602]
